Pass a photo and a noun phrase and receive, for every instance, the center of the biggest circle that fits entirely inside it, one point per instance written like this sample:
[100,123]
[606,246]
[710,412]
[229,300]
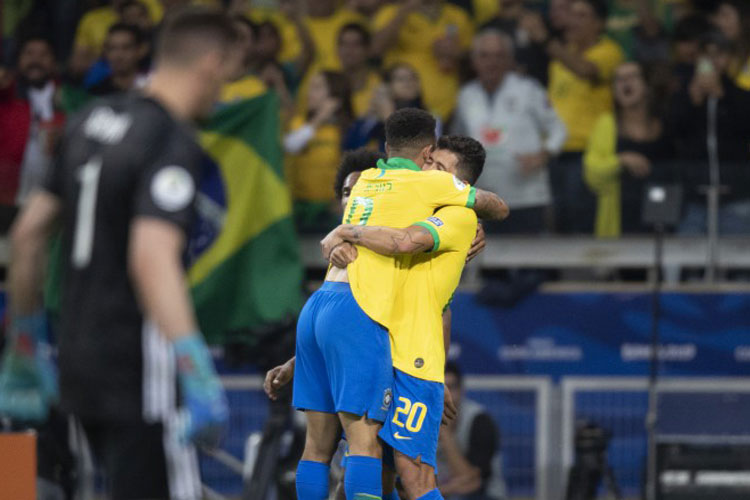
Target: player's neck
[171,92]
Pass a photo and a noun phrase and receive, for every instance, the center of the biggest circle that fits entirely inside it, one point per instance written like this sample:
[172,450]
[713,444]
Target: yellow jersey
[311,172]
[578,102]
[414,46]
[416,323]
[94,25]
[395,194]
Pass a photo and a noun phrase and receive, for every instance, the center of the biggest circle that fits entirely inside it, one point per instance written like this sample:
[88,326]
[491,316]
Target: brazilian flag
[245,267]
[243,255]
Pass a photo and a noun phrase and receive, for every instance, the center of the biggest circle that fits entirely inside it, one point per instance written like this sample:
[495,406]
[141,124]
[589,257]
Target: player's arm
[380,239]
[155,264]
[29,238]
[490,206]
[28,377]
[441,189]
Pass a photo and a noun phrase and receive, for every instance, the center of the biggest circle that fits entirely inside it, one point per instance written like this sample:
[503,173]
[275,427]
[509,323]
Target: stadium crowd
[579,103]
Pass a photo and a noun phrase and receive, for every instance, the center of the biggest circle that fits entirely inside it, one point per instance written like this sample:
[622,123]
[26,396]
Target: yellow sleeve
[452,228]
[465,29]
[601,167]
[384,16]
[439,189]
[607,56]
[83,32]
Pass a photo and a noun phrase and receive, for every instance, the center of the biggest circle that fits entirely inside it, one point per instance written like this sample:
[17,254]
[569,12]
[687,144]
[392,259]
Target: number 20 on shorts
[414,413]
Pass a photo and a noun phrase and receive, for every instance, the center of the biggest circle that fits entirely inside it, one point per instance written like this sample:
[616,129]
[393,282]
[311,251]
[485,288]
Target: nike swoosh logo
[399,436]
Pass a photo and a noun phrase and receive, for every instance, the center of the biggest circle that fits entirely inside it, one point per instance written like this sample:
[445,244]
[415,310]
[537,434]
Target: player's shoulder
[456,215]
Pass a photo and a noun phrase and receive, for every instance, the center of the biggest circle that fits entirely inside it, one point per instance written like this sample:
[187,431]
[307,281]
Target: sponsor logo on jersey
[104,125]
[460,185]
[435,221]
[172,188]
[399,436]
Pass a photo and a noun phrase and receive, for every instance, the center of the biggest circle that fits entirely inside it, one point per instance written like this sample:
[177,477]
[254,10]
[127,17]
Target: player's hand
[28,376]
[331,241]
[278,377]
[533,24]
[343,255]
[477,246]
[450,412]
[206,412]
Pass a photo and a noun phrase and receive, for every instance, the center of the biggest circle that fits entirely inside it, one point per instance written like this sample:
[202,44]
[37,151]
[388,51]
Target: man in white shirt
[513,119]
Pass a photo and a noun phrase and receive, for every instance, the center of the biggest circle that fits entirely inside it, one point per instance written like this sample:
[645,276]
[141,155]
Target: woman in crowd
[626,149]
[402,89]
[732,18]
[313,147]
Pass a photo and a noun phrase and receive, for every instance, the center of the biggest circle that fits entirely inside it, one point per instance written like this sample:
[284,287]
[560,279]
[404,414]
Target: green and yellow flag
[245,267]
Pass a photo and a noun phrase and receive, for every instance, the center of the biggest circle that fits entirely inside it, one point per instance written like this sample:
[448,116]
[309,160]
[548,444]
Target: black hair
[410,128]
[134,3]
[271,26]
[453,368]
[470,153]
[192,31]
[134,31]
[354,161]
[357,28]
[33,37]
[599,7]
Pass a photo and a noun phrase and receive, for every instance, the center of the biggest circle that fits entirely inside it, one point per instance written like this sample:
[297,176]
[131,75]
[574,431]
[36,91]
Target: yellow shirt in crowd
[361,98]
[398,194]
[312,171]
[247,87]
[414,46]
[94,25]
[579,102]
[416,326]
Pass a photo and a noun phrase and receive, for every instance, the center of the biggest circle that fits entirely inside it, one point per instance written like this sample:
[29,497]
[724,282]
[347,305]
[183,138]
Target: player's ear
[387,150]
[426,153]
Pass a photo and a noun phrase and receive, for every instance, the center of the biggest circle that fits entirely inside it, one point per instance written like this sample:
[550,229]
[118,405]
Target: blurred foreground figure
[123,189]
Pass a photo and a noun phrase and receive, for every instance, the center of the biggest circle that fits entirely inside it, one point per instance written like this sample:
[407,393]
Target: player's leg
[147,460]
[312,393]
[358,360]
[412,429]
[389,474]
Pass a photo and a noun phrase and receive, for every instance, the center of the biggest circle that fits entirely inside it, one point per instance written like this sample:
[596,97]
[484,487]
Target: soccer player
[417,341]
[341,377]
[123,190]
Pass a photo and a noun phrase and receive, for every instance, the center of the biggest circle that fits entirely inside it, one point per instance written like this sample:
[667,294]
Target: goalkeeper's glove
[205,403]
[28,376]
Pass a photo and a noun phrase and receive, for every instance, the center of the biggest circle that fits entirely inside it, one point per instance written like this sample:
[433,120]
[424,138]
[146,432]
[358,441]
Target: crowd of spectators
[579,103]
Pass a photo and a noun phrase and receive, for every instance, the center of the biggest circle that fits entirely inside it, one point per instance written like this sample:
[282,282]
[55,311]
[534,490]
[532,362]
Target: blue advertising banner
[603,333]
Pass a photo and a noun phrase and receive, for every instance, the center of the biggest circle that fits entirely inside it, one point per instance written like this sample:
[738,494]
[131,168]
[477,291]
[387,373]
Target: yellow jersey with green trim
[395,194]
[416,325]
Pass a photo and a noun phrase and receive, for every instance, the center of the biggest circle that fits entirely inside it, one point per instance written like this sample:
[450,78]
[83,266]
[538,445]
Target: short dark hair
[357,28]
[354,161]
[453,368]
[34,36]
[470,153]
[192,31]
[599,7]
[410,128]
[691,28]
[135,31]
[134,3]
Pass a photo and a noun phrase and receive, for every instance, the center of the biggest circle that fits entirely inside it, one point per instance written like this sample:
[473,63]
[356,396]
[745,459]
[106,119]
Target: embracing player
[419,341]
[123,190]
[343,370]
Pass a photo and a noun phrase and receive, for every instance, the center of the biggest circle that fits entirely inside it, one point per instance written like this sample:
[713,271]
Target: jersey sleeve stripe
[433,232]
[472,197]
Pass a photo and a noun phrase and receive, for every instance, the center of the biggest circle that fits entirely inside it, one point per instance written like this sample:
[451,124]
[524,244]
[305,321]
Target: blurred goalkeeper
[123,189]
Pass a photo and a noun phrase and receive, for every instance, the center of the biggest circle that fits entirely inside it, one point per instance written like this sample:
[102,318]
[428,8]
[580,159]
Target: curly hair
[354,161]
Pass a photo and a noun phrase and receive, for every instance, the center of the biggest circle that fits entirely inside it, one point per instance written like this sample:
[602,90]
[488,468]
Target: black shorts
[143,461]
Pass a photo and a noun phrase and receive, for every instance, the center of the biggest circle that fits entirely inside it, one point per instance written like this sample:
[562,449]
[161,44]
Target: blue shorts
[413,424]
[343,357]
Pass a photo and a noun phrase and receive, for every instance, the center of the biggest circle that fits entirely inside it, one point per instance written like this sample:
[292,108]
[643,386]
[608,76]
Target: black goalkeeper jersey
[120,159]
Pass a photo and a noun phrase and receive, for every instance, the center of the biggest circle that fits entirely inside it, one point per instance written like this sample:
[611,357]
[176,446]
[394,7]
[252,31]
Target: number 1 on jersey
[366,204]
[83,238]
